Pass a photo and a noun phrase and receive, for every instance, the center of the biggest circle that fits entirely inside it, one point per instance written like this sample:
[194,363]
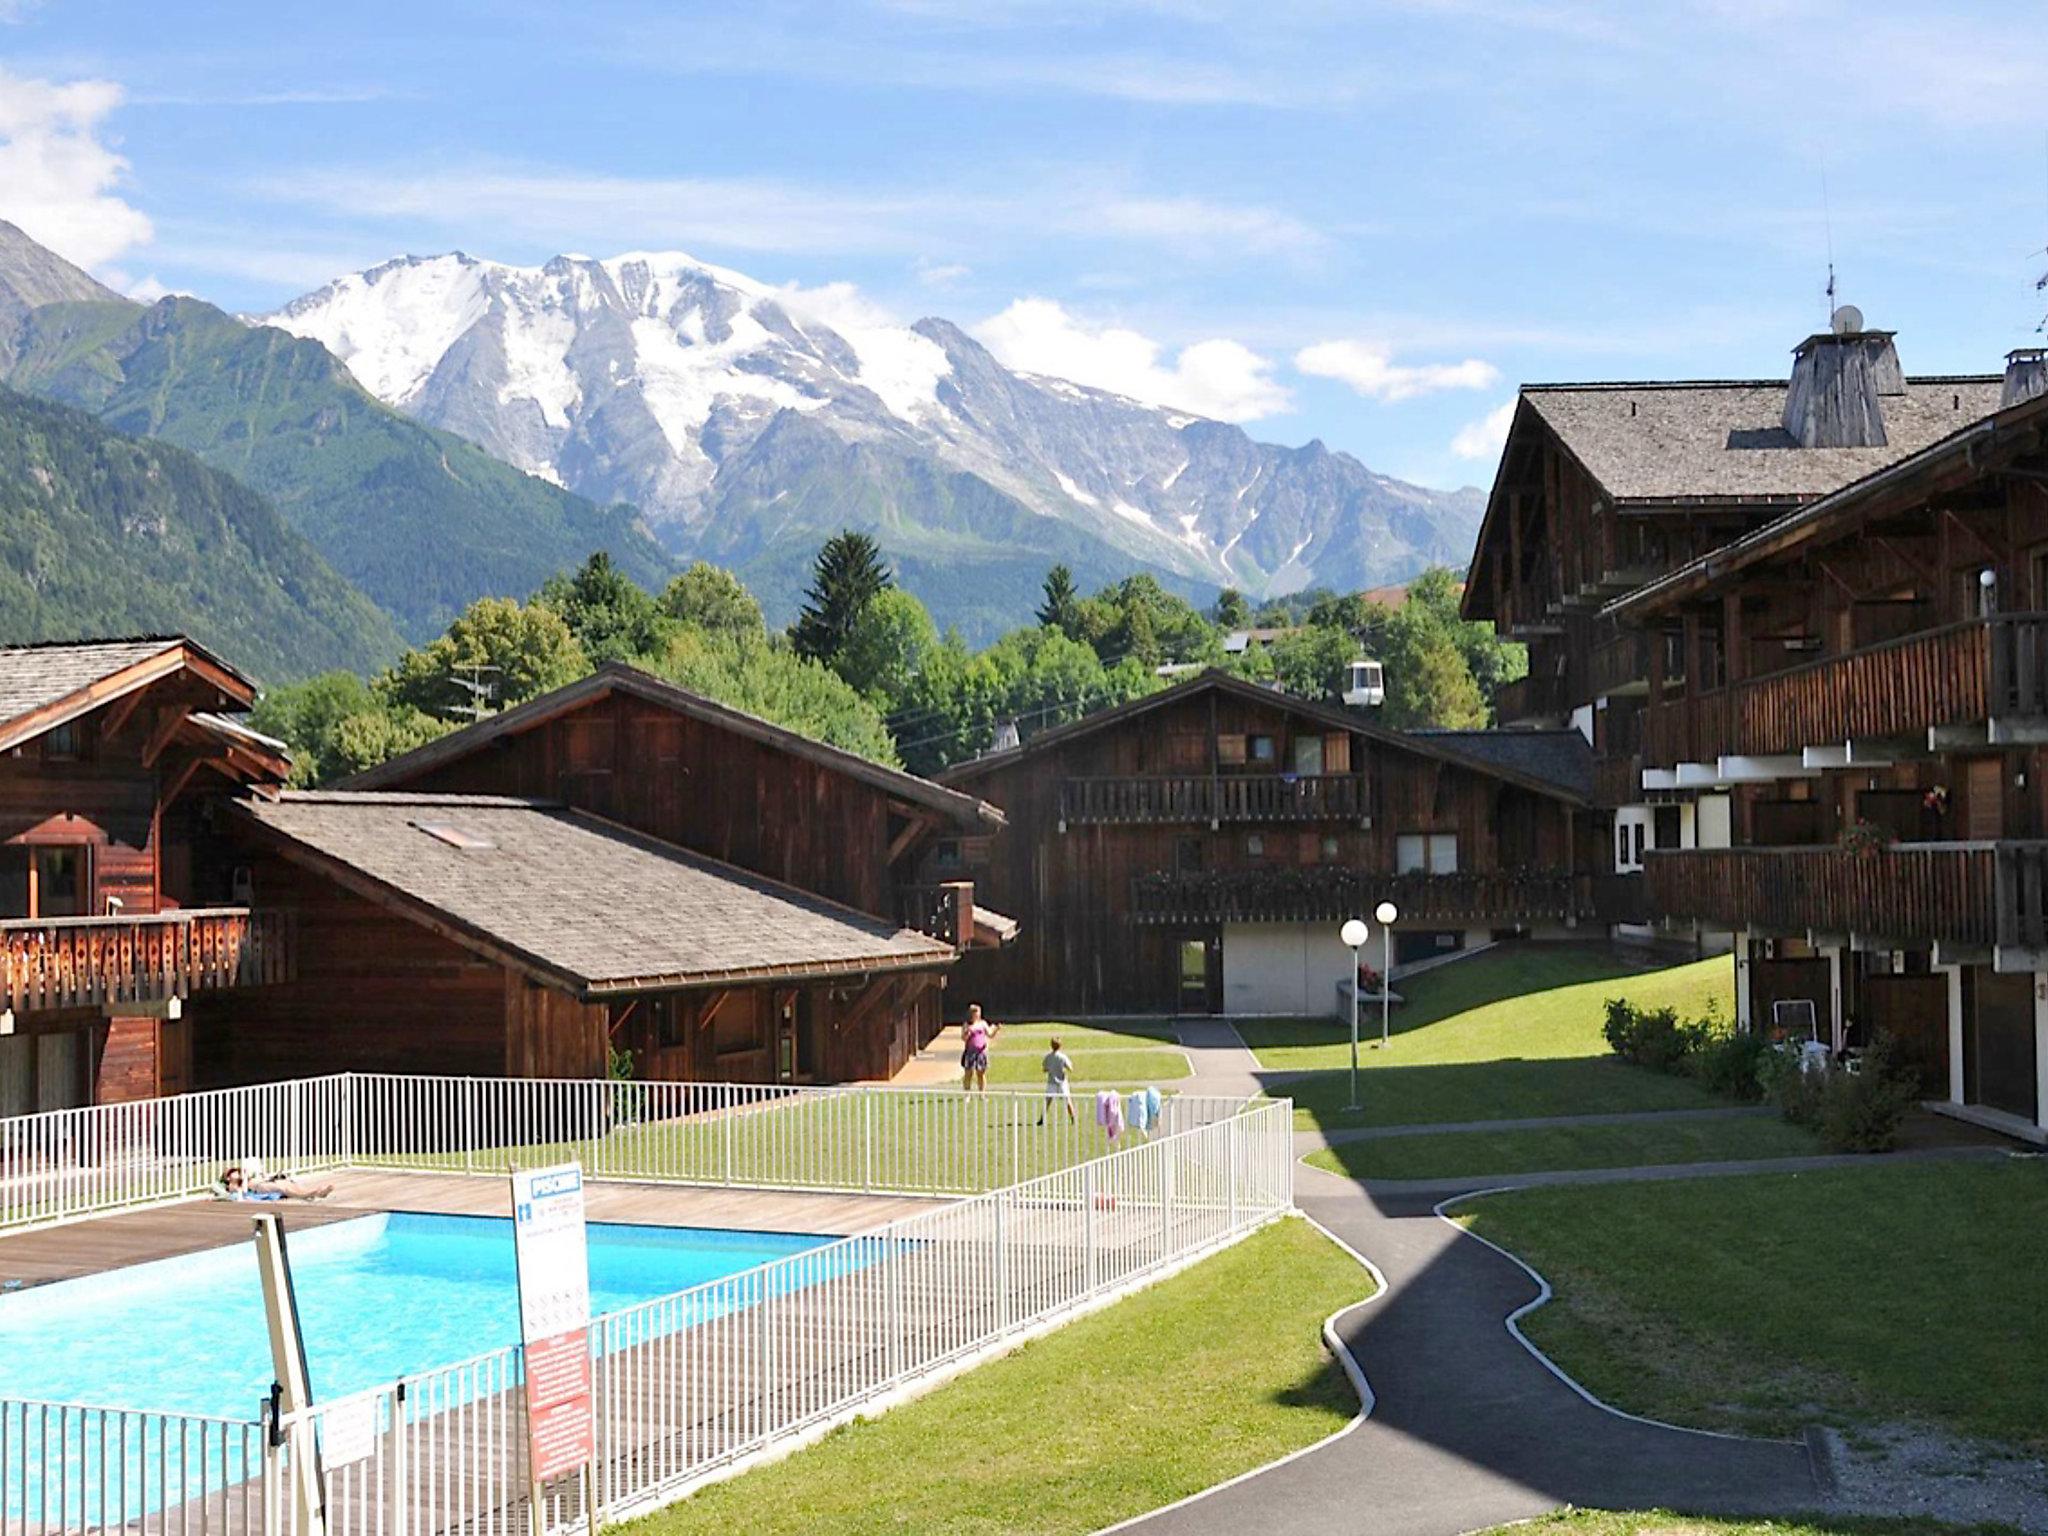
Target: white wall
[1716,824]
[1290,968]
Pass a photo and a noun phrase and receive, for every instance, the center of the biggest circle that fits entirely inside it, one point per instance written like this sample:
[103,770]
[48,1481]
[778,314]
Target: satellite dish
[1846,321]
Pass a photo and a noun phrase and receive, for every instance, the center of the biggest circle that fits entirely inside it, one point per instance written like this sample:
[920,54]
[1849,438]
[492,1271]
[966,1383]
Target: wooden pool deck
[99,1243]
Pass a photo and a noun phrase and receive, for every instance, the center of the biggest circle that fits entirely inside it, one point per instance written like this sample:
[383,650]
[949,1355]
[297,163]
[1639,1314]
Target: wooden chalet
[1196,850]
[1865,695]
[491,935]
[1605,488]
[735,792]
[119,927]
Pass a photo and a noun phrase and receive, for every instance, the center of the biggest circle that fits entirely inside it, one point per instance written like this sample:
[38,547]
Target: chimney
[2026,375]
[1839,379]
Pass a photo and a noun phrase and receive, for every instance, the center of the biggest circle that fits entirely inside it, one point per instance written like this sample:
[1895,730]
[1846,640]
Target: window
[1621,846]
[1426,853]
[947,855]
[61,742]
[1261,749]
[1640,830]
[1665,825]
[1255,845]
[1308,756]
[1187,855]
[1329,850]
[665,1023]
[58,885]
[734,1028]
[1230,750]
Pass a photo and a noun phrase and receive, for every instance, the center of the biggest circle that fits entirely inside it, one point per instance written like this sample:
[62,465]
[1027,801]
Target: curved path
[1468,1427]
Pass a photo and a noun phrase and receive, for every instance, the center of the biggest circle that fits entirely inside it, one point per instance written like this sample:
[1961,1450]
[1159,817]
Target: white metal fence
[687,1383]
[78,1162]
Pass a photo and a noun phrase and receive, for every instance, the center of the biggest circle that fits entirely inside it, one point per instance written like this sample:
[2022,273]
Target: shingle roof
[1559,757]
[37,678]
[618,676]
[581,901]
[1725,439]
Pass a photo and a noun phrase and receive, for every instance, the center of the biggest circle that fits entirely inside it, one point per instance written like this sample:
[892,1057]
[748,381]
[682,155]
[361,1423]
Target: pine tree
[845,578]
[1060,607]
[1232,611]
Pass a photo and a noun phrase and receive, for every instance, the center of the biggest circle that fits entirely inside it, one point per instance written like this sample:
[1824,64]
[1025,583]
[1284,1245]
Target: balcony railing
[89,962]
[944,912]
[1975,894]
[1224,797]
[1962,674]
[1620,665]
[1331,893]
[1531,698]
[1617,898]
[1617,780]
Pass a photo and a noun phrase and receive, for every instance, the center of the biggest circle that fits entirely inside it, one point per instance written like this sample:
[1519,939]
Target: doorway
[1998,1042]
[1200,975]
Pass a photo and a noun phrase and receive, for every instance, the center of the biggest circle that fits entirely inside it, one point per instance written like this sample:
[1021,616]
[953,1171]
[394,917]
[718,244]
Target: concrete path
[1468,1428]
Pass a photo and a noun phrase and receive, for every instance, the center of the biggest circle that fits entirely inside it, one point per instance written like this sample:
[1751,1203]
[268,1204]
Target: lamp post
[1354,934]
[1388,914]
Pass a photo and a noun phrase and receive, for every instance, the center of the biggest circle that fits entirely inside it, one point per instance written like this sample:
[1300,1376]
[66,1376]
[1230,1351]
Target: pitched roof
[2012,429]
[1725,439]
[42,686]
[578,901]
[1334,717]
[1561,757]
[618,677]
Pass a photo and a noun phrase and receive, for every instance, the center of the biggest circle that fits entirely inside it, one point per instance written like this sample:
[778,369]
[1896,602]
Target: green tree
[517,651]
[714,599]
[888,645]
[847,575]
[1232,610]
[764,677]
[1060,608]
[306,717]
[610,614]
[374,736]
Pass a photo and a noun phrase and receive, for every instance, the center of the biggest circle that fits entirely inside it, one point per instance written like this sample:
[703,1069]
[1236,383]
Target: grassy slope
[1460,1154]
[422,520]
[1207,1374]
[1756,1304]
[1598,1522]
[1119,1055]
[1508,1034]
[103,534]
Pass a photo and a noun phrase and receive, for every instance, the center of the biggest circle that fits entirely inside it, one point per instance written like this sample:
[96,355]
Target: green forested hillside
[421,520]
[103,534]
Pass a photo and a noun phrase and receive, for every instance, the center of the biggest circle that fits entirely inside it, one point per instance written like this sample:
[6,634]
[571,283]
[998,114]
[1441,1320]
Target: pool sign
[554,1316]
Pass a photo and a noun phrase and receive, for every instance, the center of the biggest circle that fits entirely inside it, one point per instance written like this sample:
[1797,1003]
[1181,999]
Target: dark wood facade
[379,990]
[1867,688]
[1138,833]
[114,936]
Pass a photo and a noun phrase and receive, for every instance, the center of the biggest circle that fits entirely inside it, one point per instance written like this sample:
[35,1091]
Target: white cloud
[1484,438]
[940,274]
[1177,221]
[57,177]
[1372,371]
[1220,378]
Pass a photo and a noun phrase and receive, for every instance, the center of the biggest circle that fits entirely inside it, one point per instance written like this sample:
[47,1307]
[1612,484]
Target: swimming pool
[380,1297]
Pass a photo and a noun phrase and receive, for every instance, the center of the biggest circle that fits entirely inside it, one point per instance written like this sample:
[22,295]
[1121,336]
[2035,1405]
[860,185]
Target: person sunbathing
[271,1187]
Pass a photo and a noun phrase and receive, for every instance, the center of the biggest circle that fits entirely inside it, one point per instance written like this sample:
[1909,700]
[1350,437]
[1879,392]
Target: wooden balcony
[1331,893]
[1620,665]
[1963,894]
[97,962]
[1205,798]
[1617,898]
[1617,781]
[1963,674]
[1531,698]
[944,912]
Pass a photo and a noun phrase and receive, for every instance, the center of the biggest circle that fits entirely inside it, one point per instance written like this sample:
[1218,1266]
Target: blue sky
[1363,222]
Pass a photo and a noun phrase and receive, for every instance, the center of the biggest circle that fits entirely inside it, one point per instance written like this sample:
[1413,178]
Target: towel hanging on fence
[1136,1112]
[1109,1113]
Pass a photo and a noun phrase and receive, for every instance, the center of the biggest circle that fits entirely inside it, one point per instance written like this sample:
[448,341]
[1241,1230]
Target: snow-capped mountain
[742,419]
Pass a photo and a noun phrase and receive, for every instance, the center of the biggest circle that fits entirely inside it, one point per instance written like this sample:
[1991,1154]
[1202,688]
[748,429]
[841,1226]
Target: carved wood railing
[1960,674]
[1619,663]
[1332,893]
[1910,892]
[82,962]
[1225,797]
[1531,698]
[944,912]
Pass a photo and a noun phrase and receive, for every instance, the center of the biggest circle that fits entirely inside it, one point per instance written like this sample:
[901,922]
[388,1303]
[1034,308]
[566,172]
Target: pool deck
[99,1243]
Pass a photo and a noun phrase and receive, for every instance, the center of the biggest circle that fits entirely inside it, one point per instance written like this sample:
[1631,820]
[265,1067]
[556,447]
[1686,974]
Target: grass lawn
[1757,1304]
[1122,1054]
[1657,1522]
[1460,1154]
[1205,1375]
[1505,1035]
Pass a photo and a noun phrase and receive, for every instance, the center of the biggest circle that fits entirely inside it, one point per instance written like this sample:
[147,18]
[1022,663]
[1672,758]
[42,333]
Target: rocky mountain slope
[104,534]
[422,520]
[746,422]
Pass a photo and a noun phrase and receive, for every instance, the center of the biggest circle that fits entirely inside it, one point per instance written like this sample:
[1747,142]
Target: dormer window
[64,743]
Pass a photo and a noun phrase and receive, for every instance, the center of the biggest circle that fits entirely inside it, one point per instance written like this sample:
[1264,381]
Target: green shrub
[1652,1038]
[1859,1110]
[1726,1060]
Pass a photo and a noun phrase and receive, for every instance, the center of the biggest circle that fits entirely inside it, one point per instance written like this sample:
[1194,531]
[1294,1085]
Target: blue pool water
[379,1297]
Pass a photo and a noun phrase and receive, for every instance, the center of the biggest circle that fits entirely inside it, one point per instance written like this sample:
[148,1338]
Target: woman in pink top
[975,1035]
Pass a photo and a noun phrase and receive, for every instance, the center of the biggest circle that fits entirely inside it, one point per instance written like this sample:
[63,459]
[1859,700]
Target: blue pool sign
[553,1252]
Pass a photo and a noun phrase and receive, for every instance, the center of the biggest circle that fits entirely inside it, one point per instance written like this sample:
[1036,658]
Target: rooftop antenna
[1827,224]
[2041,282]
[481,690]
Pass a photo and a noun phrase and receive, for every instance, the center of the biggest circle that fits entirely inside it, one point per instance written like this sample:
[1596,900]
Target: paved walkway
[1468,1427]
[1534,1123]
